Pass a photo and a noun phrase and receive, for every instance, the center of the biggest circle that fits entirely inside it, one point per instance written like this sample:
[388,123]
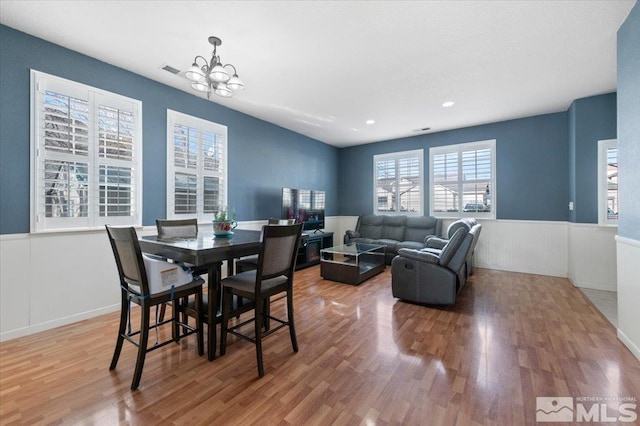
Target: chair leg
[227,299]
[185,316]
[239,302]
[292,327]
[258,331]
[124,314]
[175,329]
[142,348]
[266,309]
[199,324]
[163,310]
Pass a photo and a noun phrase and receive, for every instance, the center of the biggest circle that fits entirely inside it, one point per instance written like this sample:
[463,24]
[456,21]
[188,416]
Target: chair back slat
[182,228]
[128,256]
[279,249]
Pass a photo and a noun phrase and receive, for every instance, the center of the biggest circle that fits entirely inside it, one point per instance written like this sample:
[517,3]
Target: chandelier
[212,76]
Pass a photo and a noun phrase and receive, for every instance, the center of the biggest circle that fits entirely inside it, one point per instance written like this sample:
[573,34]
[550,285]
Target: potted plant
[224,222]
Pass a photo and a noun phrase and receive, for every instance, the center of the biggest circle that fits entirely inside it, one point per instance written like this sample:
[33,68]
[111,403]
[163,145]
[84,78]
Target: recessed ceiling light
[448,104]
[370,121]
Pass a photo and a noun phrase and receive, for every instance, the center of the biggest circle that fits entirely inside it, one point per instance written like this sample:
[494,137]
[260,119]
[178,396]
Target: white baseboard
[635,350]
[592,285]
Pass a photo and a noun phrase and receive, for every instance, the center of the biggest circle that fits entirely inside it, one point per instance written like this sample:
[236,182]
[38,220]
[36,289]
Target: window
[608,182]
[196,167]
[86,168]
[398,183]
[463,180]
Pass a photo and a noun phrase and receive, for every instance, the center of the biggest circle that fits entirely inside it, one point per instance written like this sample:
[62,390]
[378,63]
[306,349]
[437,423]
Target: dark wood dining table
[206,250]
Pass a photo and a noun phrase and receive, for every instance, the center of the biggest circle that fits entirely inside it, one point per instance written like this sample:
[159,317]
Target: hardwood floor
[365,358]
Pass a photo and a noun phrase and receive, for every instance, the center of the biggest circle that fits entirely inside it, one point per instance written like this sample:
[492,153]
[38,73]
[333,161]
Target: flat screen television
[306,206]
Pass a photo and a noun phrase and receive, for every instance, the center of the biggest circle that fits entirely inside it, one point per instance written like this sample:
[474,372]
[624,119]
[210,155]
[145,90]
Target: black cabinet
[310,246]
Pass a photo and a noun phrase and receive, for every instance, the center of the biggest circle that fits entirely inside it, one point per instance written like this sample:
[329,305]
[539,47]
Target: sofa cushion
[467,223]
[415,245]
[419,227]
[452,246]
[393,227]
[371,226]
[363,240]
[389,245]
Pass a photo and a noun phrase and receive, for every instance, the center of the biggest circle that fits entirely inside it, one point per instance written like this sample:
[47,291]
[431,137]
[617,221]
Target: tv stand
[310,245]
[315,231]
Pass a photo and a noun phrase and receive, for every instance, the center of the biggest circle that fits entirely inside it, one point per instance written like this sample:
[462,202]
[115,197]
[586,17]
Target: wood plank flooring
[365,358]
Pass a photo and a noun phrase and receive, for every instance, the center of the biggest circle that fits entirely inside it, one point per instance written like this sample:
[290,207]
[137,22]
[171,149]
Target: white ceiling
[323,68]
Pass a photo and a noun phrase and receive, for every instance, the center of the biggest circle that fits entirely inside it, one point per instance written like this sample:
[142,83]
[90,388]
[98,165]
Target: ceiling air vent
[171,69]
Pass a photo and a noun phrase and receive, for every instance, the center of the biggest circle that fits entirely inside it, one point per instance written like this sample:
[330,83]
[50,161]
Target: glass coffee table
[351,263]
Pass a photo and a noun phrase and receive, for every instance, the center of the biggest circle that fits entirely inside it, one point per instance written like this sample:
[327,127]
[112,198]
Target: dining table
[210,251]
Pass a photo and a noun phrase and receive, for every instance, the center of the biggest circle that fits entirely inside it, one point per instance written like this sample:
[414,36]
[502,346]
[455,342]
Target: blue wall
[543,162]
[532,156]
[262,157]
[590,120]
[629,125]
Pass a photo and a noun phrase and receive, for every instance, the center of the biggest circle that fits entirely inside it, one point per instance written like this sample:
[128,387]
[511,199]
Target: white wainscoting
[53,279]
[592,256]
[534,247]
[49,280]
[629,293]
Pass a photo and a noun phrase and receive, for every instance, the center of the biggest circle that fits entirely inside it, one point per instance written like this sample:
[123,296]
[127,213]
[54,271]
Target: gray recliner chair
[435,245]
[420,276]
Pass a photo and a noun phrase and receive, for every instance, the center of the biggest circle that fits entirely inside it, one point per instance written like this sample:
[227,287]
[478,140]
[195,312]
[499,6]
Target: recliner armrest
[435,242]
[420,256]
[350,235]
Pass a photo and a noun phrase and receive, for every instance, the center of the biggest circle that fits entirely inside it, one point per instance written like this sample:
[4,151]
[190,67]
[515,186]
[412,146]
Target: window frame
[417,153]
[176,117]
[41,82]
[459,149]
[603,196]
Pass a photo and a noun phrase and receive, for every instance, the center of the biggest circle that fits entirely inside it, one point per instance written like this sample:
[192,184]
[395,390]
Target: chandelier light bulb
[223,90]
[235,83]
[219,74]
[194,73]
[200,86]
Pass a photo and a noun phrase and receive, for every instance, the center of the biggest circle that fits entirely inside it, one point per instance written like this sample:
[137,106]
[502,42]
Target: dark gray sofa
[424,277]
[394,232]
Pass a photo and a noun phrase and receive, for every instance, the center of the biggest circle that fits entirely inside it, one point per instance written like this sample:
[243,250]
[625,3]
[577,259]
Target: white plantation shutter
[86,156]
[463,180]
[398,181]
[196,167]
[608,182]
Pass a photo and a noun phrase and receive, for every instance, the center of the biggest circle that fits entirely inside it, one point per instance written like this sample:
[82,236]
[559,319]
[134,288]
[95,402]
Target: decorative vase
[224,228]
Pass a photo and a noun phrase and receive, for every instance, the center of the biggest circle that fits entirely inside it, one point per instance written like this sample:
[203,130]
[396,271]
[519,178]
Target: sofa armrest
[420,256]
[435,242]
[350,235]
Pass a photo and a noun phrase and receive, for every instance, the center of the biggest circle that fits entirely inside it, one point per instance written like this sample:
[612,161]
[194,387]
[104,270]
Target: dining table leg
[213,288]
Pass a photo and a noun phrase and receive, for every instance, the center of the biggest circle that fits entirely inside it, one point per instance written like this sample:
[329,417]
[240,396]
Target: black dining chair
[150,282]
[274,275]
[174,229]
